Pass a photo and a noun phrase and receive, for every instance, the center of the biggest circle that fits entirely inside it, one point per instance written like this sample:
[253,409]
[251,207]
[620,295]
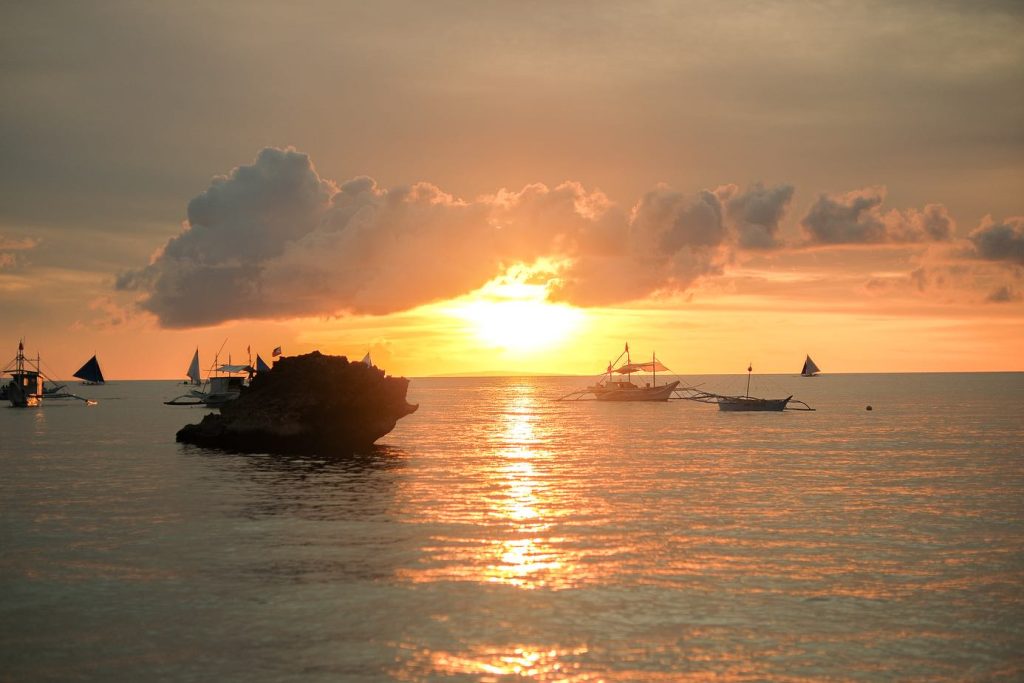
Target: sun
[515,316]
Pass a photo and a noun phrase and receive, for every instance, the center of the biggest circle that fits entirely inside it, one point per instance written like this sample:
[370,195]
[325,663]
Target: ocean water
[498,535]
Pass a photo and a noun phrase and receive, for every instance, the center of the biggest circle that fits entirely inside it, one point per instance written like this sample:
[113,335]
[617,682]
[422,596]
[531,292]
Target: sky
[523,187]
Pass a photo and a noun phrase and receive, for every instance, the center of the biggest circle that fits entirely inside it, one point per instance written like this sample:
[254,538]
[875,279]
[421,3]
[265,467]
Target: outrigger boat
[622,388]
[224,384]
[748,403]
[610,388]
[27,387]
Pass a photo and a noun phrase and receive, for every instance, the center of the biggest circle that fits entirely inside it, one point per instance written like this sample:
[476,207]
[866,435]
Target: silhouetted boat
[90,373]
[809,369]
[612,388]
[27,387]
[748,403]
[738,403]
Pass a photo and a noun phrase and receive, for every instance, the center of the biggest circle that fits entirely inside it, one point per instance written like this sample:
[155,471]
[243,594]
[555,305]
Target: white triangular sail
[809,368]
[366,360]
[193,369]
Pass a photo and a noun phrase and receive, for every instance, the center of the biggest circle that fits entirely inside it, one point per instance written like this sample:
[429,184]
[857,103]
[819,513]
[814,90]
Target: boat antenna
[750,368]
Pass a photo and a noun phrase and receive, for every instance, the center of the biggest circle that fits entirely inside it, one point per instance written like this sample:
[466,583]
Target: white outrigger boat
[224,384]
[617,384]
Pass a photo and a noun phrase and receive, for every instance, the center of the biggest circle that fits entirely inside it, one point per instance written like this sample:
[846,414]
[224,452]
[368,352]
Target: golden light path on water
[513,505]
[520,506]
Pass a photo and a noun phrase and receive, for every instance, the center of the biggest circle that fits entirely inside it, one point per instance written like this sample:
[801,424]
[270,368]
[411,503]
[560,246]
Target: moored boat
[748,403]
[225,382]
[27,387]
[617,384]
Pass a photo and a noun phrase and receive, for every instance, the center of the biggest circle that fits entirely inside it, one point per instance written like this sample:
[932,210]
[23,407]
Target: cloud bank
[857,218]
[275,239]
[999,241]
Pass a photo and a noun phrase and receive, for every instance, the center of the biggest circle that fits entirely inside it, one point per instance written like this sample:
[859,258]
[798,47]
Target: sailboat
[809,369]
[616,384]
[90,373]
[193,370]
[261,365]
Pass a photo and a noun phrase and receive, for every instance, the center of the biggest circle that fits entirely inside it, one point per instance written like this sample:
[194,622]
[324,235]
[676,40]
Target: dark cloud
[1004,294]
[856,218]
[999,241]
[757,213]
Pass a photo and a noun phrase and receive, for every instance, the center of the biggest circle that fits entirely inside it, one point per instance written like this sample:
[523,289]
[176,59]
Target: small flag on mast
[277,351]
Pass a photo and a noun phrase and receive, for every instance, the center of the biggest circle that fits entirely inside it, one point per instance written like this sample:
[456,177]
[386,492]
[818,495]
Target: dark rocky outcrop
[307,404]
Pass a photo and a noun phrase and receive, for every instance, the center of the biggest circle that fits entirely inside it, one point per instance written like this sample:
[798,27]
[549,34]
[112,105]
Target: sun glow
[515,316]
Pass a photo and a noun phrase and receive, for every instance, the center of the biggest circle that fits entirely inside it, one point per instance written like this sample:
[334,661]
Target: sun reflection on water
[511,503]
[492,664]
[525,556]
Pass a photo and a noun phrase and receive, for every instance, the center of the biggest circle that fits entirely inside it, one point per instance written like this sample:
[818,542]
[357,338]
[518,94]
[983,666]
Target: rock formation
[307,404]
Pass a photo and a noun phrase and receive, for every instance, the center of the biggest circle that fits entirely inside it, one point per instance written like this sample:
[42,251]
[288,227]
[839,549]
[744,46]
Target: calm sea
[498,535]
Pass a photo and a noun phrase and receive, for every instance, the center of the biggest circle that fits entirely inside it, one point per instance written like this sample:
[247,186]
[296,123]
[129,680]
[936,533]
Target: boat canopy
[235,368]
[90,372]
[649,366]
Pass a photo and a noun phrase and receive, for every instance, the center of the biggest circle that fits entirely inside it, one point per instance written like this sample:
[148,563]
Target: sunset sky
[464,187]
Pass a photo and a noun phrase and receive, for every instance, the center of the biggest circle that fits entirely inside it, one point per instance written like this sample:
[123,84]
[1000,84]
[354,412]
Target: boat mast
[629,373]
[750,368]
[654,369]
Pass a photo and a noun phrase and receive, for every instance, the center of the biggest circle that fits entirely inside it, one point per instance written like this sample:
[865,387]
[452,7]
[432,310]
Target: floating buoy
[868,408]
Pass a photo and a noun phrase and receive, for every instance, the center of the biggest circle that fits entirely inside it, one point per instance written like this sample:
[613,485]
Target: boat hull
[745,404]
[662,393]
[20,398]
